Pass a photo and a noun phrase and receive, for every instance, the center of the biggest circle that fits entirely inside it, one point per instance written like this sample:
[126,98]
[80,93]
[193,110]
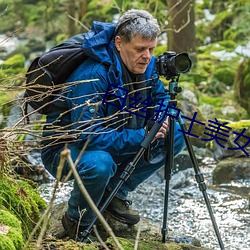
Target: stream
[187,212]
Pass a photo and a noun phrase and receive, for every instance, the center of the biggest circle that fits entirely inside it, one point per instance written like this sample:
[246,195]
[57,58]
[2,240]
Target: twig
[66,154]
[77,21]
[45,217]
[137,236]
[99,238]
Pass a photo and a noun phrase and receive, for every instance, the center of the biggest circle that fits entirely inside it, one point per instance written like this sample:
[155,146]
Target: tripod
[173,90]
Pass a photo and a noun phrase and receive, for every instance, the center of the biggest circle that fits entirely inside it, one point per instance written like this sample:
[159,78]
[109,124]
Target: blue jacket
[91,116]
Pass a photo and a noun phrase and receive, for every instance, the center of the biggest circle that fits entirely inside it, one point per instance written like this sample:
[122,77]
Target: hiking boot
[121,211]
[75,231]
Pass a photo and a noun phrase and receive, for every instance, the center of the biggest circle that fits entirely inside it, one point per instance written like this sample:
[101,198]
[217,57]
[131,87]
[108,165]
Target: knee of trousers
[98,165]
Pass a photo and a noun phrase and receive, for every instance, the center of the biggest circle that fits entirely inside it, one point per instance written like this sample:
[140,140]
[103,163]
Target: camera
[171,65]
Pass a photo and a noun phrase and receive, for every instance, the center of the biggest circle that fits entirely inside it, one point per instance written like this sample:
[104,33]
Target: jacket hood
[98,43]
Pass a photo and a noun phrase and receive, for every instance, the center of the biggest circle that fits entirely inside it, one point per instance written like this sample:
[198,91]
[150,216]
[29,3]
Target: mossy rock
[128,244]
[11,237]
[150,236]
[220,104]
[21,199]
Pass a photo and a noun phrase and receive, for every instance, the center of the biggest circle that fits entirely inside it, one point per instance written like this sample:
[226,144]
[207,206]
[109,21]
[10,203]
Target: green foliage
[221,23]
[228,45]
[238,31]
[160,50]
[9,219]
[17,61]
[229,23]
[242,84]
[5,97]
[12,67]
[216,67]
[60,38]
[224,75]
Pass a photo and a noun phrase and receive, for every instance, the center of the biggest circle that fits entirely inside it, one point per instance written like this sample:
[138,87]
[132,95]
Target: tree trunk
[83,7]
[71,6]
[181,27]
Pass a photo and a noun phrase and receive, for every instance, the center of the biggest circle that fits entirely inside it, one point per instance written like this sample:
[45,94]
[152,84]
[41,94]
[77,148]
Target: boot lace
[127,203]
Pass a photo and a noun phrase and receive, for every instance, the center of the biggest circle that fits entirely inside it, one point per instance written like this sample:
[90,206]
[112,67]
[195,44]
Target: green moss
[21,199]
[214,101]
[240,124]
[13,239]
[9,219]
[6,243]
[16,237]
[128,244]
[91,247]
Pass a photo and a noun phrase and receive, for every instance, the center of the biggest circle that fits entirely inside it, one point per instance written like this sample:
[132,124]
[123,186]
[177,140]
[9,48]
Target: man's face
[137,53]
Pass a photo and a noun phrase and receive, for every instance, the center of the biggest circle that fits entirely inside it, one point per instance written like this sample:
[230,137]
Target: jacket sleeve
[89,120]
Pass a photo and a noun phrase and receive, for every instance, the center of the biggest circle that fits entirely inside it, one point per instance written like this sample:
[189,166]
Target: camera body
[171,65]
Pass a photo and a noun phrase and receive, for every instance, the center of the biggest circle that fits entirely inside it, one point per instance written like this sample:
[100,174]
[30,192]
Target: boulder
[230,169]
[149,237]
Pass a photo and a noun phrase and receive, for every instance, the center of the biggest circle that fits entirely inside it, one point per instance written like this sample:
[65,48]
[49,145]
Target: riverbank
[188,216]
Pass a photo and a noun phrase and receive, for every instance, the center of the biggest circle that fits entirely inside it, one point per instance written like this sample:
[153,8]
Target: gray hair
[137,22]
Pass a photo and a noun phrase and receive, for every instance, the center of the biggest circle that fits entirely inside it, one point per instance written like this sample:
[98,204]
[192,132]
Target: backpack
[47,73]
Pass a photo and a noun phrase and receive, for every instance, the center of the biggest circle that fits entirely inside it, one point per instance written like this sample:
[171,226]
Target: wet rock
[30,167]
[231,169]
[181,179]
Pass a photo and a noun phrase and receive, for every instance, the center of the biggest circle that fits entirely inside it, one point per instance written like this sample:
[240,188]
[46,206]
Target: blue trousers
[100,170]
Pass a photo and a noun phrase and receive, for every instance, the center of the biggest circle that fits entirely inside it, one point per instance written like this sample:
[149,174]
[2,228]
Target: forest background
[214,33]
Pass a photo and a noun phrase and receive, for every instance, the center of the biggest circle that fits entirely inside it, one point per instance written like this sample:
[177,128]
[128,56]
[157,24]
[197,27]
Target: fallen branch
[65,154]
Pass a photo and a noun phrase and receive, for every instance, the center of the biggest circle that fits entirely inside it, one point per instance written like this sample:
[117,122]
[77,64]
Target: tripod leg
[168,173]
[200,180]
[126,173]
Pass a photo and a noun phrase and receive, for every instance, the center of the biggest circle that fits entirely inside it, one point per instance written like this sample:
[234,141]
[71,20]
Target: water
[187,211]
[188,214]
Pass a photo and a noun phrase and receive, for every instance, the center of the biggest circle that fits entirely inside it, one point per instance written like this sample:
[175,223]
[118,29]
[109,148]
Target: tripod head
[174,89]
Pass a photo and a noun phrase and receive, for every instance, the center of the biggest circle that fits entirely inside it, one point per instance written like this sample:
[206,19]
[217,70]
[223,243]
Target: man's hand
[163,130]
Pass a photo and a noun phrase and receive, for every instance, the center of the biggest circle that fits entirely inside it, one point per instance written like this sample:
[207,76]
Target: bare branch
[66,154]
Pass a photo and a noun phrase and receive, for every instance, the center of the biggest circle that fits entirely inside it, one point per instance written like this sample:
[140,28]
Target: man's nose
[146,54]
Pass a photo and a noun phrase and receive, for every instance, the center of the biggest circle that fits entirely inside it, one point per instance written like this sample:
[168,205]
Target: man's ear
[118,42]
